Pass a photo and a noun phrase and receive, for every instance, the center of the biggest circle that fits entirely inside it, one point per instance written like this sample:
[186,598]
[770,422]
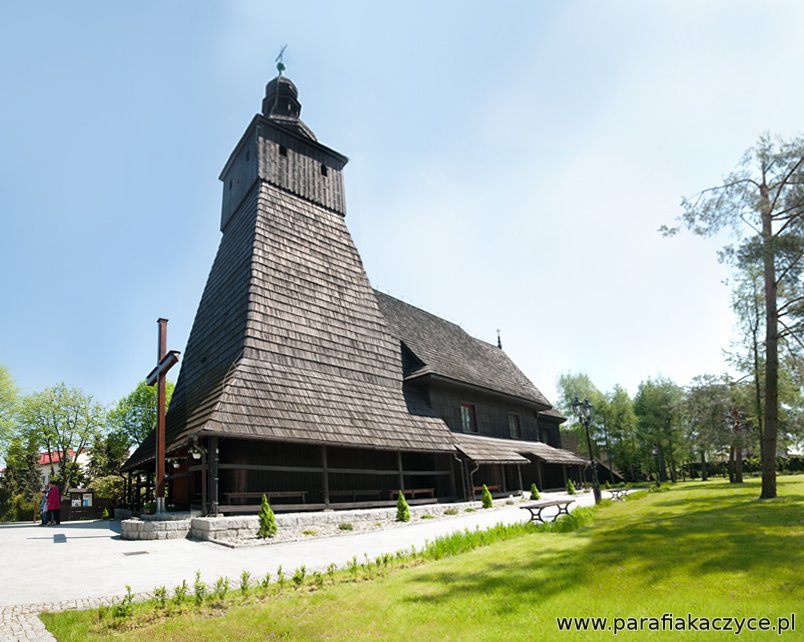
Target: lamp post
[583,409]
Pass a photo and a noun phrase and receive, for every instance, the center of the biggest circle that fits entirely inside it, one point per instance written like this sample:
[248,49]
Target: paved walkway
[84,564]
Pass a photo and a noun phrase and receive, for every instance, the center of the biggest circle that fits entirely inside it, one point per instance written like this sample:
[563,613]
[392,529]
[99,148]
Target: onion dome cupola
[281,104]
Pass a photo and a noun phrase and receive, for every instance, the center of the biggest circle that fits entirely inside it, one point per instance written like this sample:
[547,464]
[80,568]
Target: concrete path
[83,564]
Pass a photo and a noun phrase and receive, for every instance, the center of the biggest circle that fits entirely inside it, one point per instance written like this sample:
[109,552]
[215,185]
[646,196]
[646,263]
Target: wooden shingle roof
[482,449]
[447,350]
[289,342]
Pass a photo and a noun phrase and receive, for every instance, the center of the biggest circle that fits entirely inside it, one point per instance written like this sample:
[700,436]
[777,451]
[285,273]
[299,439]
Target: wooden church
[301,382]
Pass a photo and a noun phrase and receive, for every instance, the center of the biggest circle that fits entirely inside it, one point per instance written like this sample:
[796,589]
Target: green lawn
[709,549]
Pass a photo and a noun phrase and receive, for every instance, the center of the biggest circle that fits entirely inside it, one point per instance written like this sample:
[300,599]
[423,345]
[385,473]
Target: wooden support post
[539,478]
[401,472]
[564,471]
[325,475]
[213,474]
[519,474]
[204,489]
[504,475]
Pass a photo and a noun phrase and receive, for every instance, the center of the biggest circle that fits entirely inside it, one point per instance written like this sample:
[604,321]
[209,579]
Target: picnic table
[537,508]
[618,494]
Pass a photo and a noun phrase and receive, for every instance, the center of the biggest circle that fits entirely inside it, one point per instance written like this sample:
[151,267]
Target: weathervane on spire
[280,66]
[499,341]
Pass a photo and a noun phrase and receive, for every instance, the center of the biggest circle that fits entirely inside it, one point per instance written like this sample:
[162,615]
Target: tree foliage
[657,406]
[107,454]
[135,414]
[8,406]
[762,203]
[59,420]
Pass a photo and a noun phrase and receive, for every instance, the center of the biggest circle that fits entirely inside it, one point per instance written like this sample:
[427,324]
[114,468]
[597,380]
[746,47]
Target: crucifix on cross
[165,361]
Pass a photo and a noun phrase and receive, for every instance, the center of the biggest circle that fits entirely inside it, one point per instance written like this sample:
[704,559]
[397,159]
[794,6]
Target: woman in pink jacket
[53,504]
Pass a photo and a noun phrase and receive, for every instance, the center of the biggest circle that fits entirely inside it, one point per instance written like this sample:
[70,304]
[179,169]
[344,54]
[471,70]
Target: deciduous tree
[135,414]
[62,419]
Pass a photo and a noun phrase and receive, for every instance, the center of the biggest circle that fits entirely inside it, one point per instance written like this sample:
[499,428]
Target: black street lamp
[583,409]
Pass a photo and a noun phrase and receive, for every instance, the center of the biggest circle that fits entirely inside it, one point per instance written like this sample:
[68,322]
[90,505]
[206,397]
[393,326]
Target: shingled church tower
[289,351]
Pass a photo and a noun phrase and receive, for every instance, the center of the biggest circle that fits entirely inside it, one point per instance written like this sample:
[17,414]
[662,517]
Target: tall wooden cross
[164,361]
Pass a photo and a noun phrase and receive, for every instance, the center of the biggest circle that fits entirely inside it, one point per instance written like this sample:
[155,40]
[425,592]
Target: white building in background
[50,463]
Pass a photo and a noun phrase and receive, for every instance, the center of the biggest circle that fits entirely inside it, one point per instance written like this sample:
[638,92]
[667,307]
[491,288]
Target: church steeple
[278,148]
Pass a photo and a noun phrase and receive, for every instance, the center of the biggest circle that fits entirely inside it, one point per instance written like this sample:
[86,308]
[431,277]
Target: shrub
[199,588]
[310,531]
[331,572]
[280,577]
[345,526]
[571,488]
[534,491]
[318,578]
[221,589]
[245,582]
[267,520]
[108,487]
[180,593]
[160,597]
[105,514]
[606,484]
[266,581]
[469,510]
[125,607]
[427,516]
[299,575]
[451,511]
[402,509]
[485,497]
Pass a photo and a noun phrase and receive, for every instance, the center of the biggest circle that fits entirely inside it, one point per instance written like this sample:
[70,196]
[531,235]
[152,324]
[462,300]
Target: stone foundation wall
[161,526]
[230,529]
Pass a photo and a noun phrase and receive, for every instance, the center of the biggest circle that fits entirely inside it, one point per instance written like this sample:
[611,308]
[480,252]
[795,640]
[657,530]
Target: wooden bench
[354,494]
[412,492]
[618,494]
[537,508]
[495,488]
[270,494]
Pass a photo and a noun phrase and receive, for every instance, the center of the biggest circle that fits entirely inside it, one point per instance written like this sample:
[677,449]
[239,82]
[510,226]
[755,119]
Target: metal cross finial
[280,66]
[499,341]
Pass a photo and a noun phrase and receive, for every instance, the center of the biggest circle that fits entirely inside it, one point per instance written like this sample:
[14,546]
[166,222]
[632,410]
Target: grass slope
[710,549]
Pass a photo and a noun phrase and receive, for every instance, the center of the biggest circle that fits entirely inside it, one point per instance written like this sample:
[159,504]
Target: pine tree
[402,509]
[485,497]
[534,491]
[570,488]
[267,520]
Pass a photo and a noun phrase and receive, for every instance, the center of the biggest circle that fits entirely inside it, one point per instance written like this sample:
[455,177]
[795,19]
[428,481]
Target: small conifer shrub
[571,488]
[534,491]
[105,514]
[402,509]
[267,520]
[485,497]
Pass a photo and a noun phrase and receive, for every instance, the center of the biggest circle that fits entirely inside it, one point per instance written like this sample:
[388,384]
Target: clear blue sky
[510,165]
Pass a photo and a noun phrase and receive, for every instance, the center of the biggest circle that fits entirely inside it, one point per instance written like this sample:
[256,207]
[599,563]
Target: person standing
[43,510]
[54,504]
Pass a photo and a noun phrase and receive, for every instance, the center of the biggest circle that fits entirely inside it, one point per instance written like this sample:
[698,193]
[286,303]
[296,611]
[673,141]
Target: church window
[283,151]
[324,170]
[514,426]
[468,418]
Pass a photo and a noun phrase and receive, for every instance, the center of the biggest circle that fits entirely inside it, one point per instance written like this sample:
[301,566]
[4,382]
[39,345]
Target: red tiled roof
[46,459]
